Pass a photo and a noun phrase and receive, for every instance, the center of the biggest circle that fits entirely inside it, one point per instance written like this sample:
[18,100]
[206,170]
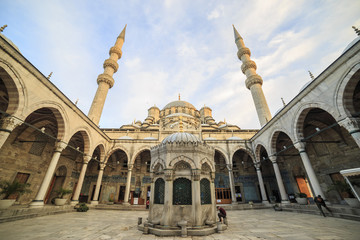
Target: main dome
[181,137]
[179,103]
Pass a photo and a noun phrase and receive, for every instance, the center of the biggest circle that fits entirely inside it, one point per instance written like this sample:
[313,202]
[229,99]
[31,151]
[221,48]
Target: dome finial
[48,77]
[179,96]
[357,31]
[3,27]
[311,75]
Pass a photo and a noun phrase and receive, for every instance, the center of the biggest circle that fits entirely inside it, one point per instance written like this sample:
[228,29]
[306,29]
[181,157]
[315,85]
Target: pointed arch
[139,151]
[182,158]
[274,136]
[344,91]
[116,148]
[157,162]
[301,114]
[60,115]
[15,88]
[223,152]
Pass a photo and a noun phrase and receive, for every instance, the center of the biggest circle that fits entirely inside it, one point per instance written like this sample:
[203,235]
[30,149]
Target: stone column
[197,210]
[231,181]
[284,197]
[7,125]
[309,170]
[95,201]
[168,201]
[128,182]
[75,198]
[353,126]
[213,198]
[39,199]
[152,195]
[261,184]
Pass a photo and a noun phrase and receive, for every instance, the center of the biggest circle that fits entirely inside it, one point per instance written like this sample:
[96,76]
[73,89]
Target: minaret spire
[253,80]
[105,80]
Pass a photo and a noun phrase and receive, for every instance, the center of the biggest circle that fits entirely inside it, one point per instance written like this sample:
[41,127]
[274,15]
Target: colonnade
[9,123]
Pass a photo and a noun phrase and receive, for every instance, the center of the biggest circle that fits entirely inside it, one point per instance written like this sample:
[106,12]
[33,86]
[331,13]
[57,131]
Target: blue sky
[184,47]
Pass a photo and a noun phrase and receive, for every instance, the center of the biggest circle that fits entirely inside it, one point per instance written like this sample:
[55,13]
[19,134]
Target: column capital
[300,146]
[86,159]
[196,174]
[102,166]
[60,146]
[9,123]
[229,167]
[257,165]
[168,174]
[130,167]
[351,124]
[272,159]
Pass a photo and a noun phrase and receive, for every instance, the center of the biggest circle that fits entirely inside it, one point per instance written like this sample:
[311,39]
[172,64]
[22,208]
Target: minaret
[253,81]
[105,80]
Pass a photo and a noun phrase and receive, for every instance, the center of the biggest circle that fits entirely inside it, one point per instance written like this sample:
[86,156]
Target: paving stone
[122,225]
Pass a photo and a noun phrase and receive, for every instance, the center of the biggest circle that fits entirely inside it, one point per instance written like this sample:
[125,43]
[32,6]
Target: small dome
[181,137]
[150,138]
[10,42]
[179,104]
[210,138]
[353,42]
[234,138]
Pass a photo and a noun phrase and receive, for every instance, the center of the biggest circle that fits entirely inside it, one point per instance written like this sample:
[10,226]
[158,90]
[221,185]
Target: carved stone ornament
[212,176]
[253,79]
[351,124]
[168,175]
[9,123]
[243,51]
[248,64]
[116,50]
[205,169]
[106,78]
[87,159]
[300,146]
[196,174]
[60,146]
[181,166]
[111,63]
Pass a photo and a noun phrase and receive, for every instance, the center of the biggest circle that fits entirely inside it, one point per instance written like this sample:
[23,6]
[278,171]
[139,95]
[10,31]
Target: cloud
[174,47]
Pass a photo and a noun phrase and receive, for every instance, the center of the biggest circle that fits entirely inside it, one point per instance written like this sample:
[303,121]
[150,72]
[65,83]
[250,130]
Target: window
[39,144]
[182,192]
[159,191]
[205,192]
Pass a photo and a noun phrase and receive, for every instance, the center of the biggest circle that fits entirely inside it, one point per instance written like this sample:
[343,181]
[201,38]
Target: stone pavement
[246,224]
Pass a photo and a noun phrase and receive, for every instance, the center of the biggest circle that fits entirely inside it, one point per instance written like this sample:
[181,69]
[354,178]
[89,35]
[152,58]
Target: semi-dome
[10,42]
[181,137]
[179,103]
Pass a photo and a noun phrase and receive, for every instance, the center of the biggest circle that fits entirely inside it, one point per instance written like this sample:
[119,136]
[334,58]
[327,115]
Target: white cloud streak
[182,47]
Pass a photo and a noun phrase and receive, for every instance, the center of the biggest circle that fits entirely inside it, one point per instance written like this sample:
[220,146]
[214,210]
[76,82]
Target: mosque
[48,142]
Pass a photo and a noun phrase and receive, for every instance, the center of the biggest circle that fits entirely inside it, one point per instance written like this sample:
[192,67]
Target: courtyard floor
[246,224]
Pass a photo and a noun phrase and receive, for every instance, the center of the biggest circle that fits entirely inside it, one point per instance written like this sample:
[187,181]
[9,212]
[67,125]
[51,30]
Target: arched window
[182,192]
[205,192]
[159,191]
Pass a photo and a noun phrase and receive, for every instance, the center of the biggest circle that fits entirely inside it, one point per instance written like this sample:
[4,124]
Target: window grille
[205,192]
[182,192]
[39,144]
[159,191]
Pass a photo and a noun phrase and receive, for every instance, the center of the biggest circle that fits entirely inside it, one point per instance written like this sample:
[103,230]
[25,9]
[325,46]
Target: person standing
[221,214]
[321,203]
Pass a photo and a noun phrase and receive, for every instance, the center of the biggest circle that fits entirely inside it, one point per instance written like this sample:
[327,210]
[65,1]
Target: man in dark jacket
[222,213]
[321,203]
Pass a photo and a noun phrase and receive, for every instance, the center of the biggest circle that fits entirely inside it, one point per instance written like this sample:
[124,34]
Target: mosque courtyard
[113,224]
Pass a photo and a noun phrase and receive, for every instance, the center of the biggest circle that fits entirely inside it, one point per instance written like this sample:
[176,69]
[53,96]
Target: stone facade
[45,140]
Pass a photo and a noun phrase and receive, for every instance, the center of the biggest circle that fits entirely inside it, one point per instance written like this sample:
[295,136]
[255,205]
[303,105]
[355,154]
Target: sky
[180,46]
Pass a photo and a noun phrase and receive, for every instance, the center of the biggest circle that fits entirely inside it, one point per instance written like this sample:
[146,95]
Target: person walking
[321,203]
